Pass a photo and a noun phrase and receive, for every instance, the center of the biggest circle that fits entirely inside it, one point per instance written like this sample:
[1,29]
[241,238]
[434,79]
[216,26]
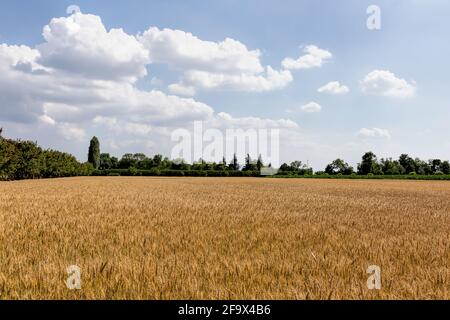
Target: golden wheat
[224,238]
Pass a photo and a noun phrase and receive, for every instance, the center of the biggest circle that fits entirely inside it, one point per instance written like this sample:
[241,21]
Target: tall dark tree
[259,163]
[339,166]
[435,165]
[285,167]
[94,153]
[407,163]
[249,164]
[234,165]
[445,167]
[369,164]
[248,161]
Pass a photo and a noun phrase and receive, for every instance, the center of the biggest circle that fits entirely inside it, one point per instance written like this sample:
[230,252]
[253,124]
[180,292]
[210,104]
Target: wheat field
[224,238]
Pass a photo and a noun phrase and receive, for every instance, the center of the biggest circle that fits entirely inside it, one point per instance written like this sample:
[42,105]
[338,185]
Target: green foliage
[175,173]
[445,167]
[369,164]
[339,166]
[26,160]
[295,168]
[391,167]
[94,153]
[234,165]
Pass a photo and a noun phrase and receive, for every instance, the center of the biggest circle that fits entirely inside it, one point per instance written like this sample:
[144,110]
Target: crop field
[224,238]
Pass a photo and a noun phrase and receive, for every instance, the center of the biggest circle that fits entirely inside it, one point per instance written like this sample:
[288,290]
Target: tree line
[405,164]
[158,164]
[26,160]
[369,165]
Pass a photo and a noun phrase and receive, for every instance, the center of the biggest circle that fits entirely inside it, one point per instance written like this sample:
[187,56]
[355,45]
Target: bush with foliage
[26,160]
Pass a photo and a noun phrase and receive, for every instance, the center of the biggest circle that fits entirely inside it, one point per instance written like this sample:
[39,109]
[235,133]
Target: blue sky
[412,45]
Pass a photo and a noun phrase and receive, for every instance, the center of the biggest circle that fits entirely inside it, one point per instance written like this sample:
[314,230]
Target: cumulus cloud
[314,58]
[18,55]
[334,87]
[71,131]
[184,51]
[82,79]
[224,119]
[270,80]
[182,90]
[81,44]
[311,107]
[45,119]
[206,65]
[385,83]
[374,133]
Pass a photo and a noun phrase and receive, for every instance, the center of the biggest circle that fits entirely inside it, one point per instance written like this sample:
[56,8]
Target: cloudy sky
[133,72]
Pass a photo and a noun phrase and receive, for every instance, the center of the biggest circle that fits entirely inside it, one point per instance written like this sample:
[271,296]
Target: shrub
[133,171]
[114,174]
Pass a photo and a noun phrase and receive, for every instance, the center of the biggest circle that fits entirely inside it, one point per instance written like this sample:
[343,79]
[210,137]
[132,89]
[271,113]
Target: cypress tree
[94,153]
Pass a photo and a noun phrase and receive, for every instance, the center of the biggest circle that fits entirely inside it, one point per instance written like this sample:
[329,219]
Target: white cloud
[182,90]
[314,58]
[111,122]
[16,55]
[311,107]
[81,44]
[47,120]
[334,87]
[270,80]
[137,128]
[385,83]
[81,81]
[376,133]
[71,131]
[226,120]
[184,51]
[206,65]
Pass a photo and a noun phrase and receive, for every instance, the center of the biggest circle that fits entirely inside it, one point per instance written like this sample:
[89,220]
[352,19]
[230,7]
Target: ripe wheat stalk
[224,238]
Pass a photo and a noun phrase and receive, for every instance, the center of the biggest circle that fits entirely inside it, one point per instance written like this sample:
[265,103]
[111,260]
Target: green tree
[105,161]
[284,168]
[421,167]
[259,163]
[435,165]
[445,167]
[339,166]
[234,165]
[157,160]
[407,163]
[127,161]
[391,167]
[94,153]
[369,164]
[249,164]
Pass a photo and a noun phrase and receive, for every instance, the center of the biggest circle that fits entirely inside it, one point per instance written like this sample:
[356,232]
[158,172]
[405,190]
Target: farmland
[224,238]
